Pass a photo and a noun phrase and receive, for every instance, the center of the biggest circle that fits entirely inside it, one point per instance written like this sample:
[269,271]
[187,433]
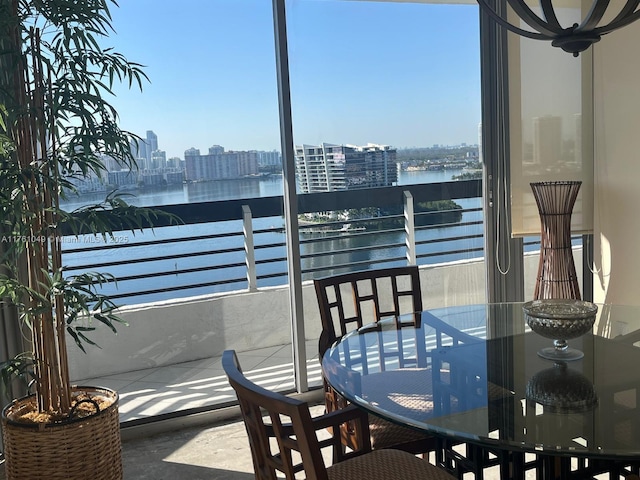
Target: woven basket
[79,448]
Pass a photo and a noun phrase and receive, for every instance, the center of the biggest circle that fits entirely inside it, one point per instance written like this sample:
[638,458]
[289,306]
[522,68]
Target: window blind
[551,126]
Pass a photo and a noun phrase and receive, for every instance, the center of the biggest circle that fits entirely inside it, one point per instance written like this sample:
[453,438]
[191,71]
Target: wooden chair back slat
[288,443]
[375,294]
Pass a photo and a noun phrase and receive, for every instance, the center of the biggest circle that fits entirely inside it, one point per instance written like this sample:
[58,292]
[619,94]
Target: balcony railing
[240,244]
[166,363]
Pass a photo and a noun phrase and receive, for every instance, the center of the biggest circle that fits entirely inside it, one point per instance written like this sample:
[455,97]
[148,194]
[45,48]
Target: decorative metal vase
[560,320]
[557,276]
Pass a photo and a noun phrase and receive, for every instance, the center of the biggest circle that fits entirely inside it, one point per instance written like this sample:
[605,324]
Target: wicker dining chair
[288,443]
[349,301]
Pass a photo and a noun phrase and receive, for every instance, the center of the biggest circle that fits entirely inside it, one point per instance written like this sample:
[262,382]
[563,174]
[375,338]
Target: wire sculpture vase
[557,276]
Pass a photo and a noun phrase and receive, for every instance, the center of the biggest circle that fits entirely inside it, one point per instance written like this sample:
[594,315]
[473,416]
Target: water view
[231,264]
[231,189]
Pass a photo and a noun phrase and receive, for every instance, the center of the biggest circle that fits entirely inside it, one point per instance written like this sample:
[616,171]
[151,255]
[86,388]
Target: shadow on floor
[173,471]
[218,452]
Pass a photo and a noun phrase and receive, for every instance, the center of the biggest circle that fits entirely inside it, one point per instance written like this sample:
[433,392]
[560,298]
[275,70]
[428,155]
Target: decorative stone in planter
[86,445]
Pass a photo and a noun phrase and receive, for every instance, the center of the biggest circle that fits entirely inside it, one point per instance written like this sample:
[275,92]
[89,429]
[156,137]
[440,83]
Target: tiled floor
[218,451]
[195,385]
[214,450]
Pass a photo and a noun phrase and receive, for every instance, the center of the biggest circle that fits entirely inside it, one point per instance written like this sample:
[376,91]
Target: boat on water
[346,228]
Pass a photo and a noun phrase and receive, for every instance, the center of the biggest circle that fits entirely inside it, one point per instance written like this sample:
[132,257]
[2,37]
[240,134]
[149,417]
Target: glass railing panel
[353,87]
[209,115]
[178,268]
[374,86]
[204,258]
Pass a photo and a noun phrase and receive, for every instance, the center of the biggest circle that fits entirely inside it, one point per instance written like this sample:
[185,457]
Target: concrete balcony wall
[177,331]
[166,333]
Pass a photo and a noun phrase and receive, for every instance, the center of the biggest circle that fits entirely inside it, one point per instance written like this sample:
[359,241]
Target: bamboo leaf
[87,340]
[76,338]
[63,92]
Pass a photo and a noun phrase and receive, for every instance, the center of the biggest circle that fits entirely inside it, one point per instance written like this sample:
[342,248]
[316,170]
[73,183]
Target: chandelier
[573,39]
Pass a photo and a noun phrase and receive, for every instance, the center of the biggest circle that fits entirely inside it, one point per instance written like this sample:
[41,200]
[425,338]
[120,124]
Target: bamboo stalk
[33,138]
[48,355]
[25,152]
[58,379]
[56,253]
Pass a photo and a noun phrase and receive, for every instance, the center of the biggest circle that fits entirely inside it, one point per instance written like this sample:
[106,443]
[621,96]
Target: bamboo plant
[56,124]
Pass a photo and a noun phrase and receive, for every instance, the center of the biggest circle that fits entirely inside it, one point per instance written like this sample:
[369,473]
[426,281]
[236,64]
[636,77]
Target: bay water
[230,266]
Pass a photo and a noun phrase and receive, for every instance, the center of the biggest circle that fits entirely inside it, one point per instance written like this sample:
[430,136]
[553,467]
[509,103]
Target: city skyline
[361,72]
[144,155]
[141,152]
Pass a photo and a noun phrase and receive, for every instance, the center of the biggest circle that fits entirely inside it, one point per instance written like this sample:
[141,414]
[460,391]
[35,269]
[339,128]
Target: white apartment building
[329,167]
[269,159]
[219,165]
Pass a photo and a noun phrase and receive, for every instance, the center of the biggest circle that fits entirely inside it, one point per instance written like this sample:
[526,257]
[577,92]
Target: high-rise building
[192,164]
[577,151]
[174,177]
[88,183]
[480,154]
[174,162]
[219,166]
[152,178]
[269,159]
[158,159]
[110,163]
[547,141]
[139,152]
[152,146]
[123,179]
[329,167]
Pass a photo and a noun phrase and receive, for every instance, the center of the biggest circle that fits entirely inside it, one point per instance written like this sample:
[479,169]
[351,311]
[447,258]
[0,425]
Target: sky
[399,74]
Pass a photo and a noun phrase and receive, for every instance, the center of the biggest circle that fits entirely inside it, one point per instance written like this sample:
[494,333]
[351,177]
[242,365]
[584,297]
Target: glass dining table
[472,376]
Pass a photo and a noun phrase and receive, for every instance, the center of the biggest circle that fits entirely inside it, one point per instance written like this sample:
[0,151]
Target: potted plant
[56,124]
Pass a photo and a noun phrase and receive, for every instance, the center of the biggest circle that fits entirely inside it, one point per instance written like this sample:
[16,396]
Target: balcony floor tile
[201,383]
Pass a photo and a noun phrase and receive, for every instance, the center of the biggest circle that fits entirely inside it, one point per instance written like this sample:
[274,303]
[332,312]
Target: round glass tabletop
[473,373]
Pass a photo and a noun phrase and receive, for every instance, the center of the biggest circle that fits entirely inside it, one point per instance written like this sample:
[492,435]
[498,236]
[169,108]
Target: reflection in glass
[562,390]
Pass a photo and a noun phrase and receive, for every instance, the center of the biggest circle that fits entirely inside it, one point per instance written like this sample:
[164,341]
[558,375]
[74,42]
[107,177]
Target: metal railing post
[409,228]
[249,250]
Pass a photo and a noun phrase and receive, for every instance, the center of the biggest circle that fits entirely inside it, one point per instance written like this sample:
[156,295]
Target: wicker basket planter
[78,448]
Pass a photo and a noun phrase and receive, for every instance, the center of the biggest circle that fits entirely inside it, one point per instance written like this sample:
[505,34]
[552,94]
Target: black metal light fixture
[573,39]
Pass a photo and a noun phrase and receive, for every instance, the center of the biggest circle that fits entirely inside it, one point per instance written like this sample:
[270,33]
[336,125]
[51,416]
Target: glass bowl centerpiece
[560,320]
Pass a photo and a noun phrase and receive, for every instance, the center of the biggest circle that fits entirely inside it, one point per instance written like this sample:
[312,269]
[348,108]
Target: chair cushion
[385,465]
[406,391]
[386,434]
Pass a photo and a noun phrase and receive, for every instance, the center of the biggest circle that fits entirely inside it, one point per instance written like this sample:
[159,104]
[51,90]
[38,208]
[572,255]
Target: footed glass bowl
[560,320]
